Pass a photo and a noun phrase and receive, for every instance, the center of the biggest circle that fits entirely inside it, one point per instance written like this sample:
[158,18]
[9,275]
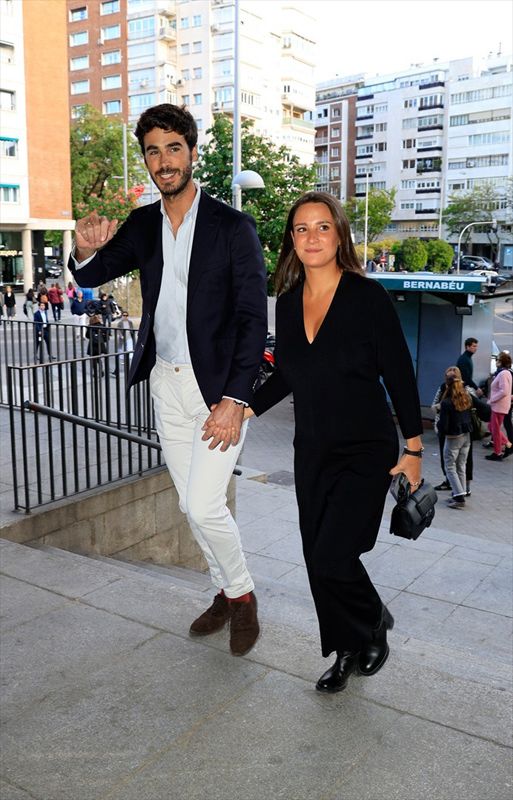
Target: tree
[412,254]
[381,204]
[97,166]
[478,204]
[284,176]
[439,254]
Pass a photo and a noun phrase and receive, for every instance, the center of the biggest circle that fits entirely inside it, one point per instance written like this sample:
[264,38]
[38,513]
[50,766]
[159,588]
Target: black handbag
[416,512]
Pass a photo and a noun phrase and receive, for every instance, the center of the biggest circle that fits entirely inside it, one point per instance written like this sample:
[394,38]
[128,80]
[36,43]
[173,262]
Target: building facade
[128,55]
[35,185]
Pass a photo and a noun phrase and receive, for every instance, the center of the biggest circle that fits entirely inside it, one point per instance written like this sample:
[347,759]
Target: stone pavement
[105,697]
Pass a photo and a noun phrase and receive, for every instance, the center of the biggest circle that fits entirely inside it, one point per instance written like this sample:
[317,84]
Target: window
[334,172]
[477,95]
[335,132]
[224,95]
[199,124]
[184,23]
[408,205]
[8,147]
[112,57]
[364,150]
[79,87]
[82,62]
[185,99]
[110,32]
[196,21]
[7,100]
[198,73]
[431,122]
[407,144]
[335,152]
[111,82]
[184,49]
[9,193]
[380,127]
[196,47]
[110,7]
[381,108]
[76,39]
[138,102]
[411,122]
[478,139]
[410,102]
[380,147]
[140,52]
[335,112]
[142,27]
[186,74]
[197,99]
[409,163]
[139,78]
[112,107]
[76,14]
[431,100]
[76,111]
[408,184]
[6,53]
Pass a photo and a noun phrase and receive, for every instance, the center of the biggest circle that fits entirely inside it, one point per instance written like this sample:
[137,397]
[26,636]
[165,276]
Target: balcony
[427,210]
[167,8]
[167,33]
[321,140]
[302,124]
[427,191]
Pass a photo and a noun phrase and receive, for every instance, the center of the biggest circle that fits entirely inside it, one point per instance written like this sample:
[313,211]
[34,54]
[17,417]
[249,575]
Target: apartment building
[480,141]
[127,55]
[335,149]
[35,187]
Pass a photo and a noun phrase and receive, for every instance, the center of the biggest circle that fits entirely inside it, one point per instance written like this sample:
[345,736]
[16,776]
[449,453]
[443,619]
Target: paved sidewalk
[107,698]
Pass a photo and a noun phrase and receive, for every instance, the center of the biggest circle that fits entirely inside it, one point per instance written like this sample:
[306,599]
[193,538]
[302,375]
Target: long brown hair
[290,270]
[455,391]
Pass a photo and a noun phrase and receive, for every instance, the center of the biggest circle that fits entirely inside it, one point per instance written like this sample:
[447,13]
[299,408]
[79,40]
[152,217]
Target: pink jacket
[500,392]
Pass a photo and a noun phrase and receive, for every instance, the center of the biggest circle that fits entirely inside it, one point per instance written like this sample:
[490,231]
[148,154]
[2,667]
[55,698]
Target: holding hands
[224,424]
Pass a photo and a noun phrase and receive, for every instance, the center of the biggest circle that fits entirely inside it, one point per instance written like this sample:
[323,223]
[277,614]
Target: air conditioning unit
[144,83]
[100,42]
[216,107]
[215,28]
[179,82]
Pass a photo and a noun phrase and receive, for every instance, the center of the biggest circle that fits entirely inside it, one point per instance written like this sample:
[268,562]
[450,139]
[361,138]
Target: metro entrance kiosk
[437,313]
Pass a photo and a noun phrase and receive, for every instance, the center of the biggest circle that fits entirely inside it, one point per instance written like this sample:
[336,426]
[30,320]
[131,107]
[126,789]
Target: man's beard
[172,191]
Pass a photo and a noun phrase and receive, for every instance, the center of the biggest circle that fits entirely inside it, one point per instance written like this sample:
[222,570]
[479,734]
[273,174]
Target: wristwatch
[417,453]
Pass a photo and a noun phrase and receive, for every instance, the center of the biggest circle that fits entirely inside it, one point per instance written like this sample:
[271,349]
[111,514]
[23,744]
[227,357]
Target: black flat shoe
[336,677]
[374,655]
[442,487]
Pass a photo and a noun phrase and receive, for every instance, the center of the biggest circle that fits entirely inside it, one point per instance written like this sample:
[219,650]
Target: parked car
[52,270]
[474,262]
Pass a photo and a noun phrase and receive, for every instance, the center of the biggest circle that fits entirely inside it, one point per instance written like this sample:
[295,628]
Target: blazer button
[177,369]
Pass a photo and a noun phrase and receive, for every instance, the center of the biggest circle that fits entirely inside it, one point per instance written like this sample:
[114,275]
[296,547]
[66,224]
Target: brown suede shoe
[213,619]
[244,627]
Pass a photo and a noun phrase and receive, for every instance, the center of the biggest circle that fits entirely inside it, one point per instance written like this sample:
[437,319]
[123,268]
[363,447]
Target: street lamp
[492,222]
[247,179]
[366,226]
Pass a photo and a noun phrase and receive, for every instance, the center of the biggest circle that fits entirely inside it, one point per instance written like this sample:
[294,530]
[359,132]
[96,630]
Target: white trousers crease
[200,475]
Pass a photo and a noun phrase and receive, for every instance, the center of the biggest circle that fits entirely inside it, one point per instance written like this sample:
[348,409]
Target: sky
[383,36]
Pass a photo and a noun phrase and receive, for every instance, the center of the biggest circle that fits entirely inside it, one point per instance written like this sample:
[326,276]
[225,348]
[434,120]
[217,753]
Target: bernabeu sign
[422,282]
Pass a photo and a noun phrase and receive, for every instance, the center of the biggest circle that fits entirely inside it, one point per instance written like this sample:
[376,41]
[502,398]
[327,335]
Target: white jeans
[200,475]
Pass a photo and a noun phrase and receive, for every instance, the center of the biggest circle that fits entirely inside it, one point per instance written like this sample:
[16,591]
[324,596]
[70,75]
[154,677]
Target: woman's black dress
[345,441]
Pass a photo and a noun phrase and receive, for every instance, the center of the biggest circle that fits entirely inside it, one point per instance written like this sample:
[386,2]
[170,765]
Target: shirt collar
[190,212]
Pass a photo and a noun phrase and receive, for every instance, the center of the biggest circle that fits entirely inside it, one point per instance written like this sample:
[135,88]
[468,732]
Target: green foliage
[380,207]
[475,205]
[96,157]
[284,176]
[440,255]
[411,255]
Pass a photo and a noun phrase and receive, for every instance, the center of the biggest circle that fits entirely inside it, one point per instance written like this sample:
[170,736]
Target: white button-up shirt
[171,312]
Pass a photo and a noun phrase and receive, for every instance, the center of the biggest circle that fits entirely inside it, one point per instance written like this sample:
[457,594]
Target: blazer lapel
[154,262]
[204,242]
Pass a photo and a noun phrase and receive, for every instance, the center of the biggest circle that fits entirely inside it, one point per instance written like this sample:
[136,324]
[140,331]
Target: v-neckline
[302,307]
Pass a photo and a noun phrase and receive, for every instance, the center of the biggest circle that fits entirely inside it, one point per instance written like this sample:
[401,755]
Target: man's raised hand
[92,233]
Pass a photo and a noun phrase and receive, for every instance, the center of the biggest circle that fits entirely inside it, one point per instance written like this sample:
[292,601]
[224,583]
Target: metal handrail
[87,423]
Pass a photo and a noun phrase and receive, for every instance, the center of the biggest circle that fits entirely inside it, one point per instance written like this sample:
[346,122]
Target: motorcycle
[267,364]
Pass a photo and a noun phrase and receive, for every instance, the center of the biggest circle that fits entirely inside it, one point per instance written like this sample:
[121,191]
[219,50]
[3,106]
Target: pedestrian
[55,297]
[337,335]
[30,300]
[42,296]
[97,335]
[70,293]
[125,337]
[41,333]
[105,308]
[455,422]
[466,365]
[201,340]
[78,310]
[500,403]
[483,414]
[9,302]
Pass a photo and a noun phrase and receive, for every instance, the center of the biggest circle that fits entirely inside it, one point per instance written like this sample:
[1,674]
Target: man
[201,338]
[78,309]
[9,302]
[466,366]
[42,332]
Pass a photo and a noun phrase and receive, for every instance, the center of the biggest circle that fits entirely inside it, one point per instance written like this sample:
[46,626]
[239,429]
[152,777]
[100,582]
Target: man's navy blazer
[226,294]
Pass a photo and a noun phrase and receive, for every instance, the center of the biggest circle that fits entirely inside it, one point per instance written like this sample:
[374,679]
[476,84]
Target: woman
[29,303]
[55,297]
[483,414]
[500,403]
[337,334]
[97,345]
[455,424]
[70,293]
